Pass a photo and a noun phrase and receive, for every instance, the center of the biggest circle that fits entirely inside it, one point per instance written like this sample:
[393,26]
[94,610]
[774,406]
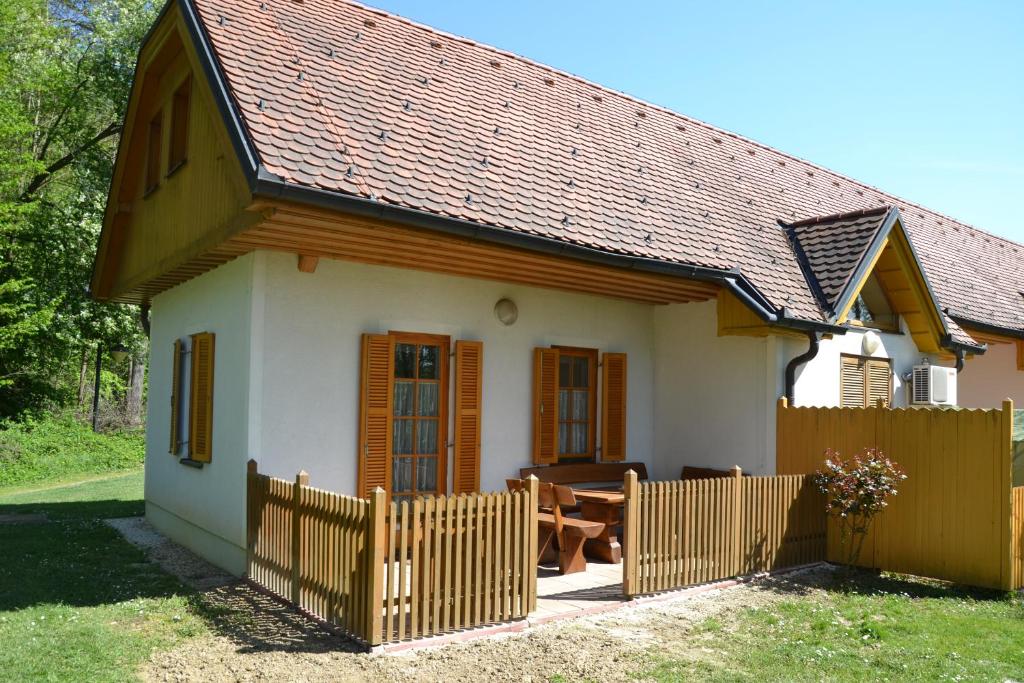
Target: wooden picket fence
[1017,537]
[389,572]
[679,533]
[456,562]
[952,517]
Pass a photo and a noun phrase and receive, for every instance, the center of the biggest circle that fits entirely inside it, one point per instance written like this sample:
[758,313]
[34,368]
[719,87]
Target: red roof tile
[353,100]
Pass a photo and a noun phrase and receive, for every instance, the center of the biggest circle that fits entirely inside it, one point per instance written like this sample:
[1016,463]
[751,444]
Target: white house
[390,256]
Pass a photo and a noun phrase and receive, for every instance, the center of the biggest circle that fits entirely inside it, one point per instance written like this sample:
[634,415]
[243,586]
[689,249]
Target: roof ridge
[846,215]
[890,198]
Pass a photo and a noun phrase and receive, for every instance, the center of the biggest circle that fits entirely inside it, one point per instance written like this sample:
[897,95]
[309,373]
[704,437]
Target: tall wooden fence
[952,516]
[1017,537]
[389,572]
[679,533]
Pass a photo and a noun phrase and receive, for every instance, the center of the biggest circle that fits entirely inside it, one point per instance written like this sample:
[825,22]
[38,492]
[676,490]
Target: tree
[856,490]
[65,75]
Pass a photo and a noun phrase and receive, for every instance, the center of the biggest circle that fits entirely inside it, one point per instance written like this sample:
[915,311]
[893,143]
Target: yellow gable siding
[195,204]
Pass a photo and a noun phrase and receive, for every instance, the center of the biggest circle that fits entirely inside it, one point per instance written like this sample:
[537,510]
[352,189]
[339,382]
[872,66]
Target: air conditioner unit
[933,385]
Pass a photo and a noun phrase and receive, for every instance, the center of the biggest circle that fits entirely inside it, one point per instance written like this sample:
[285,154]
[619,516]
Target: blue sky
[921,99]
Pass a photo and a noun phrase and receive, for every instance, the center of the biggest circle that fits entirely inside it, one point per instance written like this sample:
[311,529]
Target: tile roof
[831,248]
[353,100]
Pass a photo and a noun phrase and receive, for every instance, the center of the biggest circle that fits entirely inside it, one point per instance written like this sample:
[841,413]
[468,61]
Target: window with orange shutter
[864,381]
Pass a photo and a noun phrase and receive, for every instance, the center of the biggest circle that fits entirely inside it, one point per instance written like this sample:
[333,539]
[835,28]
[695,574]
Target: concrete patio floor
[563,596]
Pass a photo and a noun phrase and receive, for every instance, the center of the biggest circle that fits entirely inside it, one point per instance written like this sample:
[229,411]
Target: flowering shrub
[856,490]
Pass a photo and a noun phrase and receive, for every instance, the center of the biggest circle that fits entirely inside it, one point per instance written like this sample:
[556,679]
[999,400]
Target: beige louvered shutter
[469,361]
[200,414]
[851,382]
[545,406]
[878,373]
[613,407]
[175,398]
[376,413]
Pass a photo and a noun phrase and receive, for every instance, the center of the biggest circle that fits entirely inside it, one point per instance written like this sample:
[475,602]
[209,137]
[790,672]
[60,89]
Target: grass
[881,628]
[77,601]
[60,448]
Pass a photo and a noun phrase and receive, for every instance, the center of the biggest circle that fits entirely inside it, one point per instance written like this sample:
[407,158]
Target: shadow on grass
[74,558]
[865,582]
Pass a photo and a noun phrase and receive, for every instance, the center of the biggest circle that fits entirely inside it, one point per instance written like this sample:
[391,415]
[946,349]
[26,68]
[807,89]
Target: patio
[568,595]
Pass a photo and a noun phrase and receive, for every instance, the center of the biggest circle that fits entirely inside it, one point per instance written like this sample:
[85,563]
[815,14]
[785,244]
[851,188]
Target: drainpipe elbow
[814,342]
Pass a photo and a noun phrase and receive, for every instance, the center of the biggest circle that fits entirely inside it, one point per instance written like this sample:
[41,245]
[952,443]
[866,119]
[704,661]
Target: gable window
[864,381]
[577,403]
[153,145]
[177,152]
[871,308]
[404,399]
[566,393]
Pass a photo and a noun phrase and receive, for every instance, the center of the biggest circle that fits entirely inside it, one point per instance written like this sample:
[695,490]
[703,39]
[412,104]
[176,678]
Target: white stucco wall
[988,379]
[204,509]
[714,396]
[310,343]
[817,382]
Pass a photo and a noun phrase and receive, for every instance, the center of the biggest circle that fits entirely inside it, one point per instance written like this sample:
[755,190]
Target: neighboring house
[393,257]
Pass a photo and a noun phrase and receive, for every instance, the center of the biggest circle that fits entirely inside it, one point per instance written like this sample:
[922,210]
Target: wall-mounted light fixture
[506,311]
[871,343]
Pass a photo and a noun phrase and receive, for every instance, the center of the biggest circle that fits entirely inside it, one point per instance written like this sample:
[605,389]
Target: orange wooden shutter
[200,414]
[545,406]
[613,407]
[1020,354]
[878,381]
[469,359]
[376,413]
[851,382]
[175,397]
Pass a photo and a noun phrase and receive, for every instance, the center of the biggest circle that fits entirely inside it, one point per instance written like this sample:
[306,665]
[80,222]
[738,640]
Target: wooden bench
[554,527]
[585,472]
[704,473]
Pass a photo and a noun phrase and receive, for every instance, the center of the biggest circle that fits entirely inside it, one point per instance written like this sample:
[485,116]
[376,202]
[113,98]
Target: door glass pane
[401,440]
[405,360]
[563,437]
[581,372]
[563,404]
[565,371]
[426,474]
[428,362]
[426,437]
[401,475]
[580,404]
[579,438]
[428,399]
[403,398]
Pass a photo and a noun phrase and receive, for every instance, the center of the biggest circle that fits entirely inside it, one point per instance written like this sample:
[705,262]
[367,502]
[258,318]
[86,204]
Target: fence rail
[388,572]
[680,533]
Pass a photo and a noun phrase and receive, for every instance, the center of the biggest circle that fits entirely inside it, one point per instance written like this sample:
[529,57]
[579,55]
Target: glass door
[419,440]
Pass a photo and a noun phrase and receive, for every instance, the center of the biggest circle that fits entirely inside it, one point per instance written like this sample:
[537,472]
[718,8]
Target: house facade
[392,257]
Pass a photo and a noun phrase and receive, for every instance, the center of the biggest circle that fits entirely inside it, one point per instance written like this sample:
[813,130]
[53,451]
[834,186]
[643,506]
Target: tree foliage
[66,68]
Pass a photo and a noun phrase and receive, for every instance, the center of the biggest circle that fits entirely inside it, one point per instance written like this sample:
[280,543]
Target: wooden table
[606,507]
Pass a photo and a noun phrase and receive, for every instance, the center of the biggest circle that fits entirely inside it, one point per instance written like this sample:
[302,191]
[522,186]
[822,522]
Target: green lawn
[876,628]
[77,602]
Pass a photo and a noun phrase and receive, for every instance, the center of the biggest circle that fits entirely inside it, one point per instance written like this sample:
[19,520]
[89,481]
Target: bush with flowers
[856,490]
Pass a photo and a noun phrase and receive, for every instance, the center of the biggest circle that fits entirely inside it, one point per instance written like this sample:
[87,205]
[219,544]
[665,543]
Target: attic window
[178,151]
[872,308]
[155,137]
